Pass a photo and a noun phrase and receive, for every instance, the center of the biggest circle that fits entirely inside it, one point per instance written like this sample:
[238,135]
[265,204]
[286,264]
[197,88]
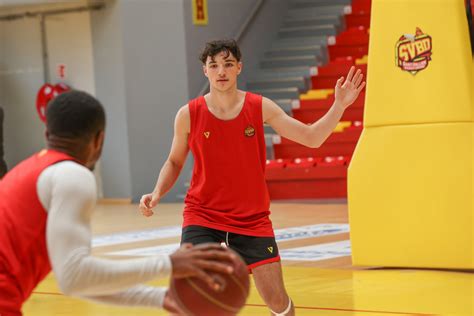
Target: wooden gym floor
[317,287]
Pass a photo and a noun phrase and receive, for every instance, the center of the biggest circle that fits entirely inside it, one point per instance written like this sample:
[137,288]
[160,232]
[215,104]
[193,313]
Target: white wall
[69,42]
[20,77]
[21,71]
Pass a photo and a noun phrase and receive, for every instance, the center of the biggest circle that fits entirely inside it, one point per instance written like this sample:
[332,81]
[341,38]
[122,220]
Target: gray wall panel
[110,90]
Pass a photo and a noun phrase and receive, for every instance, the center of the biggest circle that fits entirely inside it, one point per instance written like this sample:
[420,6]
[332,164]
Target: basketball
[195,297]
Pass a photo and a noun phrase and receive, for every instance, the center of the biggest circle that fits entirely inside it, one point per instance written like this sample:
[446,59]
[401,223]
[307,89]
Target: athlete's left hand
[348,91]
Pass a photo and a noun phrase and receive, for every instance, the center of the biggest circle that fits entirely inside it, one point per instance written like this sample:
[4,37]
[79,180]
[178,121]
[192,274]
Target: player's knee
[278,303]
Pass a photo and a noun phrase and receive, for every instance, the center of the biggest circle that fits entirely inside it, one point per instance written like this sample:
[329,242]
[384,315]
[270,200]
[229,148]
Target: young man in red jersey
[228,199]
[46,203]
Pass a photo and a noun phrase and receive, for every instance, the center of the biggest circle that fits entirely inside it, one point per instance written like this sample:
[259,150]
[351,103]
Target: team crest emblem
[270,249]
[249,131]
[207,134]
[413,52]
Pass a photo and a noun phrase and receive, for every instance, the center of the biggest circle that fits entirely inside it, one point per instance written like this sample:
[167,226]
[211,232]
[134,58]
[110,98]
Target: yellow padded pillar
[438,93]
[472,170]
[410,196]
[410,182]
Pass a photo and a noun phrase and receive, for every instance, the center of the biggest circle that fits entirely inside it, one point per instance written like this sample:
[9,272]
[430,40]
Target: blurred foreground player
[46,203]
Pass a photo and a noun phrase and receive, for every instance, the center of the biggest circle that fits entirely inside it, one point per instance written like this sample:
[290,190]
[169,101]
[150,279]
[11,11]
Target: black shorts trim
[253,249]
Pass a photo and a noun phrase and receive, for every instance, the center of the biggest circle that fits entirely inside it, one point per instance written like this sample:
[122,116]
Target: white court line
[141,235]
[307,253]
[281,235]
[147,251]
[310,231]
[318,252]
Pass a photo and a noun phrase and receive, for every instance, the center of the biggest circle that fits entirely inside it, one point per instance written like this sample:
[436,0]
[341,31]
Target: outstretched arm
[315,134]
[173,165]
[67,191]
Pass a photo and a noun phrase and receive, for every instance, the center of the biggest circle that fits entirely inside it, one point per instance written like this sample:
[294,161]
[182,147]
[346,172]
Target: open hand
[348,91]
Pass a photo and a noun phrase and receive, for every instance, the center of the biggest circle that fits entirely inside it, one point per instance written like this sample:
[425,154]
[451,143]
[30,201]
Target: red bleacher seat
[337,144]
[303,179]
[278,163]
[311,188]
[330,161]
[357,19]
[312,115]
[329,81]
[353,36]
[336,67]
[356,125]
[361,6]
[356,51]
[302,163]
[310,111]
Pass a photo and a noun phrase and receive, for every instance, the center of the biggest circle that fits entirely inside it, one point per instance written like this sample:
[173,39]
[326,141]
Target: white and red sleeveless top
[24,260]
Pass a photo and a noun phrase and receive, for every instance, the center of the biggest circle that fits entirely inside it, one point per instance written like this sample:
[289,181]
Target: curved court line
[310,308]
[47,293]
[347,310]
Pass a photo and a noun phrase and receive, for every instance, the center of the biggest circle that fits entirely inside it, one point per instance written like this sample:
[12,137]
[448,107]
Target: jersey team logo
[413,52]
[270,249]
[207,134]
[249,131]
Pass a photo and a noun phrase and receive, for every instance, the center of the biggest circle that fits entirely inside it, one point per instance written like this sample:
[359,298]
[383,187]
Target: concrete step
[269,146]
[268,129]
[284,72]
[317,50]
[301,83]
[286,105]
[299,41]
[308,31]
[316,3]
[292,61]
[328,19]
[315,11]
[280,93]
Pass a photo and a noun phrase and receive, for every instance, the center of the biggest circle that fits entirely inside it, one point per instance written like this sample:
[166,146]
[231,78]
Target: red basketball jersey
[24,260]
[228,189]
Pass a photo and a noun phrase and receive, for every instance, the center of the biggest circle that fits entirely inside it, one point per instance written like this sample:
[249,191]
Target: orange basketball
[195,297]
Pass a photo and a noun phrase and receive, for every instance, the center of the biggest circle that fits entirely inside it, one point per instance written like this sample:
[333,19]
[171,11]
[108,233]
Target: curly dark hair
[229,46]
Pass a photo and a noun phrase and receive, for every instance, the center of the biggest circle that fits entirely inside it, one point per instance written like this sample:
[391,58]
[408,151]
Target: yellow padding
[472,169]
[439,93]
[429,291]
[317,94]
[411,196]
